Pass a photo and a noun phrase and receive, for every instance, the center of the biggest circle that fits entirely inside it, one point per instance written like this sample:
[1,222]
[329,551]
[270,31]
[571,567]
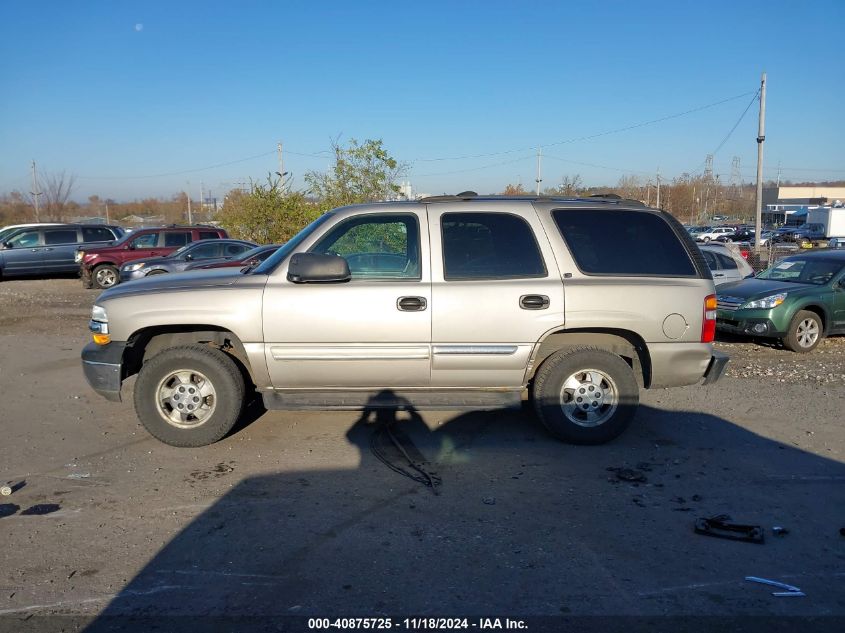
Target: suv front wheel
[586,395]
[105,276]
[190,395]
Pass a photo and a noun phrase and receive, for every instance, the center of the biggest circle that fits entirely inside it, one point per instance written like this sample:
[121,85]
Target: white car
[726,264]
[712,234]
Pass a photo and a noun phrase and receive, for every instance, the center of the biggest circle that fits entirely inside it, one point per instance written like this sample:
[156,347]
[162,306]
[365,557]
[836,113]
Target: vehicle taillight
[708,325]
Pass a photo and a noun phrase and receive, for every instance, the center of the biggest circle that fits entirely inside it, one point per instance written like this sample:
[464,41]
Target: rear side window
[96,234]
[725,262]
[60,236]
[230,250]
[175,240]
[489,246]
[209,235]
[620,242]
[710,258]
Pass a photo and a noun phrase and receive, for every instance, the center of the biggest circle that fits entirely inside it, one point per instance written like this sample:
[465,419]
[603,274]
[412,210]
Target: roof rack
[610,198]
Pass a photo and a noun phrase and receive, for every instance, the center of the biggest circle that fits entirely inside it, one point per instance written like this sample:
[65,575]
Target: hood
[758,288]
[176,281]
[155,259]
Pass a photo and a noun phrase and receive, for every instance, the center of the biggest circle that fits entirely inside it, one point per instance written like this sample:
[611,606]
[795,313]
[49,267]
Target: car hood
[148,261]
[758,288]
[176,281]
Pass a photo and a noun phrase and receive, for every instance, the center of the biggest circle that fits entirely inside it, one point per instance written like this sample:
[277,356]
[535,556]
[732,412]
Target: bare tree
[57,190]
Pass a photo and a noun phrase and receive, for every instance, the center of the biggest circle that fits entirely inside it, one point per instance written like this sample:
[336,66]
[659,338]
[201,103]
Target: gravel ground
[293,515]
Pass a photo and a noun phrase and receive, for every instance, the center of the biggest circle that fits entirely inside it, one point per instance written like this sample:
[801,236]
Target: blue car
[50,248]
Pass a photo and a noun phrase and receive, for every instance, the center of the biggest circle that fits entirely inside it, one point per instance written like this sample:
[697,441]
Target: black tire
[805,332]
[617,385]
[105,276]
[706,240]
[200,361]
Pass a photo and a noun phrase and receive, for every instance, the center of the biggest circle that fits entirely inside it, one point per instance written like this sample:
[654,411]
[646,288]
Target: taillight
[708,325]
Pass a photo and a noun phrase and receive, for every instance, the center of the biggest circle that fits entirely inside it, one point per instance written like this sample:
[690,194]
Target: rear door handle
[533,302]
[411,304]
[718,275]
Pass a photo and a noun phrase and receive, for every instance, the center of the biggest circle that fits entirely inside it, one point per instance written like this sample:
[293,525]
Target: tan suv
[451,302]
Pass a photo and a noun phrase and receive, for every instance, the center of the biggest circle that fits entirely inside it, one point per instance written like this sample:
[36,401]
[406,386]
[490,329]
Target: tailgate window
[623,243]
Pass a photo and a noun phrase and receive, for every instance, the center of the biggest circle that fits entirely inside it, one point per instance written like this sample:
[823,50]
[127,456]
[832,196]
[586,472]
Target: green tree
[267,213]
[362,172]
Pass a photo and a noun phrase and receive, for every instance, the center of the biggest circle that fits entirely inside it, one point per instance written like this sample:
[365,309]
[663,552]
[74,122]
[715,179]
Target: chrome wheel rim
[589,397]
[185,398]
[106,277]
[807,333]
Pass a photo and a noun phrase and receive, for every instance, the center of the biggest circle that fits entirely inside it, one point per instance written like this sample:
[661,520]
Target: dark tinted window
[205,251]
[209,235]
[60,236]
[725,262]
[710,258]
[230,250]
[489,246]
[96,234]
[376,246]
[173,239]
[619,242]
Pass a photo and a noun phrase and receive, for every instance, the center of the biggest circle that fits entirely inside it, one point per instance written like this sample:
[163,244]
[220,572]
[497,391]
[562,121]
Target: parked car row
[106,255]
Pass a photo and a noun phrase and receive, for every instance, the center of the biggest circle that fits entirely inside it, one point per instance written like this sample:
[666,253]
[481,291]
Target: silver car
[451,302]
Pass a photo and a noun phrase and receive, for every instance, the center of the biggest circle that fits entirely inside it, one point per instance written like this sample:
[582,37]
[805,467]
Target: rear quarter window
[209,235]
[624,243]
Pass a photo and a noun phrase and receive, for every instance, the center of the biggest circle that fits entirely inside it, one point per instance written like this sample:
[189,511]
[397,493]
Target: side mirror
[307,268]
[130,247]
[8,245]
[188,257]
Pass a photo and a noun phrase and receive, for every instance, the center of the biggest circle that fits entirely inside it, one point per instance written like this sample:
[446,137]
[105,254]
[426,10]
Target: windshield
[803,270]
[269,264]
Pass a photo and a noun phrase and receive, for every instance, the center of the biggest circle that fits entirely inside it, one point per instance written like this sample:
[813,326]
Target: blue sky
[124,94]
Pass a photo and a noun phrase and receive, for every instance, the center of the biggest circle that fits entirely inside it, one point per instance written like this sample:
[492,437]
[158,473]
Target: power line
[741,117]
[591,136]
[462,171]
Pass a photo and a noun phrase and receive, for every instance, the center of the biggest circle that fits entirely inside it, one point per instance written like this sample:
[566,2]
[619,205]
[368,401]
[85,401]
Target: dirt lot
[294,515]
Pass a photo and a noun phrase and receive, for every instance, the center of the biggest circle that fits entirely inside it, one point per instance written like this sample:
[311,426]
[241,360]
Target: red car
[253,256]
[99,267]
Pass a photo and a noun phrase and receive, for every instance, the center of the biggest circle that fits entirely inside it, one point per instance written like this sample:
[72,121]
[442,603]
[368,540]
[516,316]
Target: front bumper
[716,369]
[102,367]
[744,325]
[135,274]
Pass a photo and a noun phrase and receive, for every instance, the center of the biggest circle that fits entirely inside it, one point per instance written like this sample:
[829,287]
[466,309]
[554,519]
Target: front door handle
[533,302]
[411,304]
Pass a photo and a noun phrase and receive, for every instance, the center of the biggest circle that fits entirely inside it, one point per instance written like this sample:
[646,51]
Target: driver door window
[148,240]
[26,239]
[376,246]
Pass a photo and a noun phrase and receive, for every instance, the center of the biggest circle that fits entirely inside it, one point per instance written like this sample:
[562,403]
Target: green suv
[800,299]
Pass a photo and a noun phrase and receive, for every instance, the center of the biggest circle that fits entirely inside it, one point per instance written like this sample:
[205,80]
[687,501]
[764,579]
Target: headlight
[98,313]
[78,257]
[133,267]
[772,301]
[99,325]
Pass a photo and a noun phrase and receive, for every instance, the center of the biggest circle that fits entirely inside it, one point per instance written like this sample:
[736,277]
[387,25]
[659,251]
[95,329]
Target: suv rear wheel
[105,276]
[190,395]
[586,395]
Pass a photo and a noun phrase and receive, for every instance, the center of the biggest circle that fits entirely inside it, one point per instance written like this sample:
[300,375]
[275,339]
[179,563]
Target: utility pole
[108,220]
[761,138]
[35,193]
[539,168]
[281,160]
[190,214]
[778,174]
[658,187]
[202,203]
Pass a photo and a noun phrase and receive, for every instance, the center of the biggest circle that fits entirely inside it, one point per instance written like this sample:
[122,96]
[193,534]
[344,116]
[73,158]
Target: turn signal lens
[102,339]
[708,324]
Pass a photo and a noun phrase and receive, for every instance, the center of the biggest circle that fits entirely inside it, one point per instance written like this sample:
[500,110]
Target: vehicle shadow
[505,521]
